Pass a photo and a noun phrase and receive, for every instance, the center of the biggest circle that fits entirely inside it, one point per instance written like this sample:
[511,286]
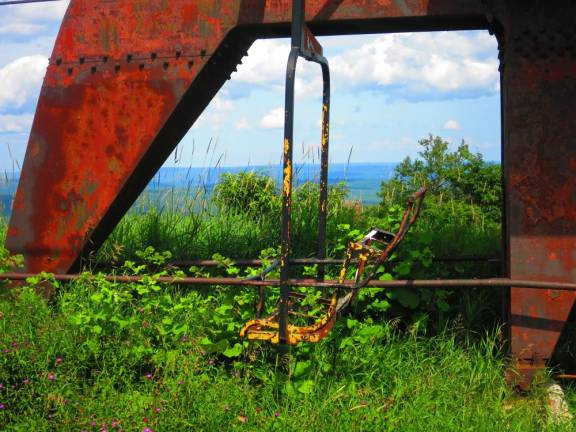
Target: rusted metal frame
[313,283]
[324,152]
[410,216]
[538,77]
[297,33]
[303,44]
[101,174]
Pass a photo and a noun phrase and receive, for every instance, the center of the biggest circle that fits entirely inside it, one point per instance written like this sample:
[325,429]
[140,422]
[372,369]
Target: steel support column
[538,63]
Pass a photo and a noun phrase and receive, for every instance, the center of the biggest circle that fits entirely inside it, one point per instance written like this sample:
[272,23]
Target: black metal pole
[297,33]
[324,146]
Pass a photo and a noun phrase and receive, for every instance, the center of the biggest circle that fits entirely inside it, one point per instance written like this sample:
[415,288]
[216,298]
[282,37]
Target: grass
[103,356]
[55,379]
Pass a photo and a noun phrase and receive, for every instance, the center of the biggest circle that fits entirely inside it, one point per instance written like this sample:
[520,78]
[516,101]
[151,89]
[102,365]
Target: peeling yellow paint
[287,179]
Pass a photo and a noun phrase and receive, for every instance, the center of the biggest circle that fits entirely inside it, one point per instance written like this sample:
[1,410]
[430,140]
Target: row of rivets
[130,57]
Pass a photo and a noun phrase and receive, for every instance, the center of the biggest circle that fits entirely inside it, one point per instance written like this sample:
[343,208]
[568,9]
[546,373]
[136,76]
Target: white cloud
[20,28]
[15,123]
[40,11]
[216,114]
[21,80]
[265,67]
[242,124]
[422,65]
[274,119]
[413,66]
[452,125]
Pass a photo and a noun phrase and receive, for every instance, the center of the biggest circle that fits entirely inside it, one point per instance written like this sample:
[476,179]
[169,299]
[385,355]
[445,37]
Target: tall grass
[54,378]
[3,229]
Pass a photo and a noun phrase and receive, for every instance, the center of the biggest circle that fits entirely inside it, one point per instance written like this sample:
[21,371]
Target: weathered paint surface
[125,82]
[128,78]
[538,53]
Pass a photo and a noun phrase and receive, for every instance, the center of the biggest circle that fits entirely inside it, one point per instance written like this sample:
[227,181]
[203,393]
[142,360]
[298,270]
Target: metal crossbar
[314,283]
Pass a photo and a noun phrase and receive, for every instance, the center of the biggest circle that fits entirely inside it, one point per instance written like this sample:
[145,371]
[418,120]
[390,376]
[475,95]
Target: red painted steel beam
[538,58]
[125,82]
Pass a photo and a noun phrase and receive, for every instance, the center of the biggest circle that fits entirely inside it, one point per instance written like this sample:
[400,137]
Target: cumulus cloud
[21,80]
[19,28]
[216,114]
[423,65]
[274,119]
[15,123]
[412,66]
[452,125]
[40,11]
[265,67]
[242,124]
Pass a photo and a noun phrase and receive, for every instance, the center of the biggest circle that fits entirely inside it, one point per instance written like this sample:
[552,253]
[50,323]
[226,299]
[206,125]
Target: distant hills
[363,179]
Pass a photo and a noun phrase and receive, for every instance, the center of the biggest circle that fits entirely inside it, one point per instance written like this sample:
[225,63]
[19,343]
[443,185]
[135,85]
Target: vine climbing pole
[127,79]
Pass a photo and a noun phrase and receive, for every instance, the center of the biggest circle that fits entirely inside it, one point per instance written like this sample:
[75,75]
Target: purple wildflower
[211,362]
[1,386]
[158,410]
[2,407]
[114,424]
[59,360]
[277,414]
[180,382]
[147,429]
[148,376]
[184,338]
[26,381]
[51,376]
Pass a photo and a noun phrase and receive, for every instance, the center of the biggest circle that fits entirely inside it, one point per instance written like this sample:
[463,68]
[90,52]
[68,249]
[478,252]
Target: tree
[460,175]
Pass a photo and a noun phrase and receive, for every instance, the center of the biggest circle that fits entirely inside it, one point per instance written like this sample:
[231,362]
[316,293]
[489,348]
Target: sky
[388,92]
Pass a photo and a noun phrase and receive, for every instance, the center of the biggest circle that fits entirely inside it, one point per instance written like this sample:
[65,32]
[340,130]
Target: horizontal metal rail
[328,261]
[313,283]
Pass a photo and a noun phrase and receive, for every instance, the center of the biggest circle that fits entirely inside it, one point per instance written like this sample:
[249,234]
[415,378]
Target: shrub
[247,192]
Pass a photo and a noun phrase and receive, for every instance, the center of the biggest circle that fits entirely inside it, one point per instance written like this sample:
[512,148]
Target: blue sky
[388,91]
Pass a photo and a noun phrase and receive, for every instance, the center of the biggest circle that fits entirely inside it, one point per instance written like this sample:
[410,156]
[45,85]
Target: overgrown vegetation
[153,357]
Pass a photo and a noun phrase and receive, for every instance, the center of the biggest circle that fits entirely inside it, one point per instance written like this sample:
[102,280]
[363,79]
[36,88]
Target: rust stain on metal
[127,79]
[113,105]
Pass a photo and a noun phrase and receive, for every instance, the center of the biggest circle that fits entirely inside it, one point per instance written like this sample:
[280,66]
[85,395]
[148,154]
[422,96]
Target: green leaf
[407,298]
[369,332]
[179,330]
[306,387]
[351,323]
[385,277]
[302,368]
[234,351]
